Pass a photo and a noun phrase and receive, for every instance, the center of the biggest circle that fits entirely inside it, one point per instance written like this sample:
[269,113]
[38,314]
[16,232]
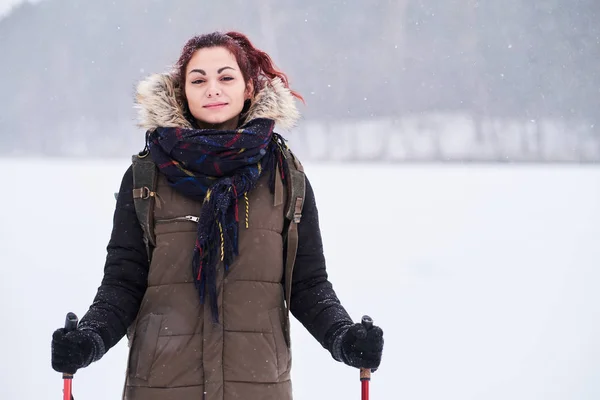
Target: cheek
[239,96]
[193,100]
[189,96]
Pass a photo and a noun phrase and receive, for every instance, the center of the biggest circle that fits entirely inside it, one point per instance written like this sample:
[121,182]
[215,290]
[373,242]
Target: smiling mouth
[215,105]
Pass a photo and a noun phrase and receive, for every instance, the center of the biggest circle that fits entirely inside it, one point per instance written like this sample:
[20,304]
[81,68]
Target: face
[215,88]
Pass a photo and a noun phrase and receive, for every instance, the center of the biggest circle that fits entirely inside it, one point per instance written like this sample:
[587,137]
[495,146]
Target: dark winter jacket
[176,351]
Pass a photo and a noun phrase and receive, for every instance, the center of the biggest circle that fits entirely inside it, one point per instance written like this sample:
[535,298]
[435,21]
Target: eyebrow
[204,72]
[198,70]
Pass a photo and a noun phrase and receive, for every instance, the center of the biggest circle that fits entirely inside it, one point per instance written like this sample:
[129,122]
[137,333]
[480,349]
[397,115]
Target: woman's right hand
[75,349]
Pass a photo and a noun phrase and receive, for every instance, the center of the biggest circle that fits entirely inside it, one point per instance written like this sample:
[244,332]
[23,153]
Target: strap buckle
[298,210]
[143,193]
[146,193]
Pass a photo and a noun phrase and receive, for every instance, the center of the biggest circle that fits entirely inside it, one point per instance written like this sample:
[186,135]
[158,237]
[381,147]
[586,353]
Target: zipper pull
[192,218]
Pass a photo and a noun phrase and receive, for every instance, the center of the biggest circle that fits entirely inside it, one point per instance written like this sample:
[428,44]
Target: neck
[223,126]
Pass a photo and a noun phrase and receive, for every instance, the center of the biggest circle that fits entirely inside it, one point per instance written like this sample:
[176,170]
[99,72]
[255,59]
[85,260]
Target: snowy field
[485,279]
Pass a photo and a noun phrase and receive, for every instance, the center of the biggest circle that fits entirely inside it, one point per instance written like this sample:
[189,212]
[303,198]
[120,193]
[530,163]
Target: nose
[213,90]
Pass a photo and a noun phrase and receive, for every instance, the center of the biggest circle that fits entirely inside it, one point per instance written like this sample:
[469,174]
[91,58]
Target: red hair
[254,63]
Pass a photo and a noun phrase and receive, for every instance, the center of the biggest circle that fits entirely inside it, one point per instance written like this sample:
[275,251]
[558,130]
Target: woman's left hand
[361,346]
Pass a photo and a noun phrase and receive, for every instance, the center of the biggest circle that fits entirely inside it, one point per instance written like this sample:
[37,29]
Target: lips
[213,106]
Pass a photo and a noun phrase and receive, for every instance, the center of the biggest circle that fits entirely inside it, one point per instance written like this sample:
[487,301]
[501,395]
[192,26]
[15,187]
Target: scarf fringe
[221,212]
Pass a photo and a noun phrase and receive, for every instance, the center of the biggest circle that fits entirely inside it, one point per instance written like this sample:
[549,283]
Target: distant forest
[70,67]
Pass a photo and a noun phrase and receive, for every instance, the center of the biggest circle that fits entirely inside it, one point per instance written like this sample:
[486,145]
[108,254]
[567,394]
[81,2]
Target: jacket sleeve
[314,302]
[125,280]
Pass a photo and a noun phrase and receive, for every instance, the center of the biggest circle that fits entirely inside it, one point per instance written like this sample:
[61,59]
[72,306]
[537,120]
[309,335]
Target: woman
[206,308]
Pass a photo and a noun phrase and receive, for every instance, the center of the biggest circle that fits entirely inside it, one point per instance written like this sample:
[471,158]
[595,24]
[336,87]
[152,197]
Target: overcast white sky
[6,5]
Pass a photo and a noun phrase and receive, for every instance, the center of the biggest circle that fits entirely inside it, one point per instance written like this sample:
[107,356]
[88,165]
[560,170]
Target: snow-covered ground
[484,278]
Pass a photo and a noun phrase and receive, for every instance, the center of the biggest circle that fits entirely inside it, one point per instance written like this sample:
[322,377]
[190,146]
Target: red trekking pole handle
[70,325]
[365,373]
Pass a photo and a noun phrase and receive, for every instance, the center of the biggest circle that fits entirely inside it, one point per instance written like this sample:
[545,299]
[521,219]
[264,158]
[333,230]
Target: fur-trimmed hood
[158,106]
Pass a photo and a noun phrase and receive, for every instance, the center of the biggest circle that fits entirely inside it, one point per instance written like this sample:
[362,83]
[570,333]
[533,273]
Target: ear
[249,90]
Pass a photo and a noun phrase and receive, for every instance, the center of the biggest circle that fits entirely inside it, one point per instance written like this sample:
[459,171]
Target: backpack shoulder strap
[144,196]
[293,213]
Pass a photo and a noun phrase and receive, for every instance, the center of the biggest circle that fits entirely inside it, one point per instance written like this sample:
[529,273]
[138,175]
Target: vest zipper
[190,218]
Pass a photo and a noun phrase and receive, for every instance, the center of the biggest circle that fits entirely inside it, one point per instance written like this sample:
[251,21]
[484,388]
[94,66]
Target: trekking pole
[70,325]
[365,373]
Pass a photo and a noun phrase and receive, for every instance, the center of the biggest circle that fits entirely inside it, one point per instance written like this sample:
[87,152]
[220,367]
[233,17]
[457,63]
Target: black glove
[359,347]
[76,349]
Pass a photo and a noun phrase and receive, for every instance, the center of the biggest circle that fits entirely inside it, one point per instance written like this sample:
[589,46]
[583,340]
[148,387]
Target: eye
[197,81]
[227,78]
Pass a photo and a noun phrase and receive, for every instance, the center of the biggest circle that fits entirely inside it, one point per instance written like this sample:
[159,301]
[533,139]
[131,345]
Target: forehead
[212,58]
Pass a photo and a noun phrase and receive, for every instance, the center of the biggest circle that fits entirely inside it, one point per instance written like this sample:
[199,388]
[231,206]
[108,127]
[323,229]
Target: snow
[484,278]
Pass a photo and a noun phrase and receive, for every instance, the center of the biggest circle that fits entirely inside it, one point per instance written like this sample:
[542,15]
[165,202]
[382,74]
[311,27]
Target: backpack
[145,175]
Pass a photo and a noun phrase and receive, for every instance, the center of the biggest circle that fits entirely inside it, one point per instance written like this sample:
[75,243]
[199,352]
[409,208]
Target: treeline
[69,67]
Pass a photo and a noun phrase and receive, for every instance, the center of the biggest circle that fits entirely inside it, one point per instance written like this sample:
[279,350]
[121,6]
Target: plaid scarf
[218,167]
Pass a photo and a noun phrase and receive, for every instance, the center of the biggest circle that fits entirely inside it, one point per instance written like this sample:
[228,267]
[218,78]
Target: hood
[157,104]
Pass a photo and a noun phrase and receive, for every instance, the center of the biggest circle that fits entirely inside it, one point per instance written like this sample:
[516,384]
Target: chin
[214,120]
